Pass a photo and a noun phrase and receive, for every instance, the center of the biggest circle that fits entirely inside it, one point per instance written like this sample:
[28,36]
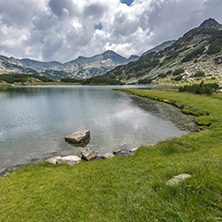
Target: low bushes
[199,74]
[70,80]
[201,88]
[145,81]
[21,78]
[178,72]
[101,80]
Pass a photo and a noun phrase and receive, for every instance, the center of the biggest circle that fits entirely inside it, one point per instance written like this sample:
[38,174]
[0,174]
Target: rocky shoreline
[71,160]
[168,112]
[89,155]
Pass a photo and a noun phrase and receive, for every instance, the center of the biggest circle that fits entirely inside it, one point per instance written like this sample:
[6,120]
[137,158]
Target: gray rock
[133,150]
[108,156]
[78,137]
[177,179]
[54,160]
[89,154]
[4,172]
[116,151]
[123,152]
[70,160]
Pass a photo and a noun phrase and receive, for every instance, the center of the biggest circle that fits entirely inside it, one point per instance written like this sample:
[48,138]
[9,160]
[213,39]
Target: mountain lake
[35,120]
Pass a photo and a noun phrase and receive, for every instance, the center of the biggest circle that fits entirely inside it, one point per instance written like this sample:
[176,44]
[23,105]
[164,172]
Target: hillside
[23,79]
[196,55]
[80,68]
[160,47]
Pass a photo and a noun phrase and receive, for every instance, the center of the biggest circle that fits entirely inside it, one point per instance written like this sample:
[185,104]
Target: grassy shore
[129,189]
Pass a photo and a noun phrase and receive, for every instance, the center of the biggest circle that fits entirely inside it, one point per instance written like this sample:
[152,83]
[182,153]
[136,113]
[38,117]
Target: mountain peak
[210,23]
[118,59]
[109,53]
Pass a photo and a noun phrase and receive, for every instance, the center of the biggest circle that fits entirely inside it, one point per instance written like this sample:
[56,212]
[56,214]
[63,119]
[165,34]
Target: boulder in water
[78,137]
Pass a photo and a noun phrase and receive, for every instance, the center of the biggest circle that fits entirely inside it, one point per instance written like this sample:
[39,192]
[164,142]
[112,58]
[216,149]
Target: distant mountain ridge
[160,47]
[109,56]
[197,55]
[80,68]
[29,63]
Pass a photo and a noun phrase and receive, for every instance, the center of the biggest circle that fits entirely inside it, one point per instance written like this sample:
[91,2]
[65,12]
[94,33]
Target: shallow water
[35,120]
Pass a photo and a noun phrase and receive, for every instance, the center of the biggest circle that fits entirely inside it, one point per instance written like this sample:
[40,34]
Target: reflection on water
[35,120]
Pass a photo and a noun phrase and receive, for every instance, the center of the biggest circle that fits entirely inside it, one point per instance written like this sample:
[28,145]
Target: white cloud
[63,30]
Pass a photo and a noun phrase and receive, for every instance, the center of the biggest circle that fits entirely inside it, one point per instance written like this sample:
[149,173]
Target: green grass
[129,189]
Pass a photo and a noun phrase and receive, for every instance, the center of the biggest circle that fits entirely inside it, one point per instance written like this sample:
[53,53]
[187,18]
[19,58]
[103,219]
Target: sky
[62,30]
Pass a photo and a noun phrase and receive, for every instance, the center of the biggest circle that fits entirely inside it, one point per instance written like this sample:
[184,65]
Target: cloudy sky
[62,30]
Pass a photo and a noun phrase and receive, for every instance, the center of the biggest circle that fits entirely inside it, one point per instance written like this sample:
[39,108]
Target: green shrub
[101,80]
[15,78]
[218,60]
[169,72]
[178,78]
[70,80]
[178,72]
[215,43]
[145,81]
[201,88]
[199,74]
[215,47]
[162,75]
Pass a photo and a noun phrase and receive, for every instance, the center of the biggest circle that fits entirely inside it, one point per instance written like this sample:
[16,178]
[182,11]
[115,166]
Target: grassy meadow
[129,189]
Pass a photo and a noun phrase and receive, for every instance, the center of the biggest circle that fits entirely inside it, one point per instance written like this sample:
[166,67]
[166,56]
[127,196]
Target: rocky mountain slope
[81,68]
[160,47]
[197,55]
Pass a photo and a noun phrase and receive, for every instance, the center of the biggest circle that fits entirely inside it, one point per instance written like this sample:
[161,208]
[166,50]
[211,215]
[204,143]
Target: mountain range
[197,55]
[80,68]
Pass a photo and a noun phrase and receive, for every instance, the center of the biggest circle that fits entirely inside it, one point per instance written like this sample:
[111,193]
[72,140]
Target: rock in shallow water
[78,137]
[89,154]
[116,151]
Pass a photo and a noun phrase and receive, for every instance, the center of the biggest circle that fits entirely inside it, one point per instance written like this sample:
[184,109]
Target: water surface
[35,120]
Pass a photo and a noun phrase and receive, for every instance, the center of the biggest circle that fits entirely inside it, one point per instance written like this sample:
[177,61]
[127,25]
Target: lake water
[35,120]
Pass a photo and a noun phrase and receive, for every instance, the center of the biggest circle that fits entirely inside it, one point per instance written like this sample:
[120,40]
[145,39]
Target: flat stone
[89,155]
[116,151]
[133,150]
[108,156]
[78,137]
[70,160]
[54,160]
[123,152]
[177,179]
